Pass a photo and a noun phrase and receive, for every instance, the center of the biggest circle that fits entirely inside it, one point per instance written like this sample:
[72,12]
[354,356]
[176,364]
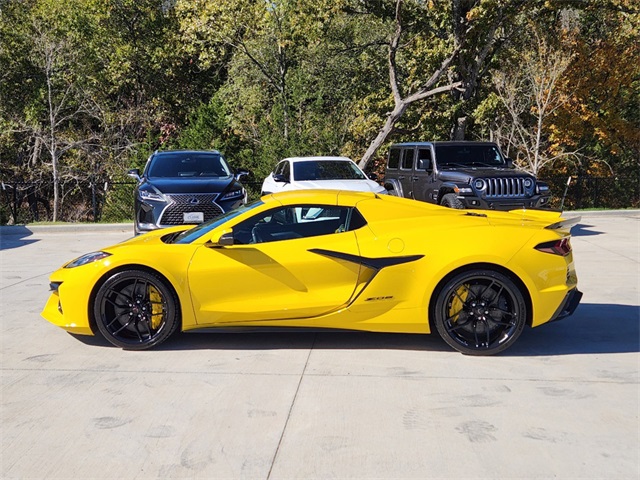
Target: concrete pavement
[562,403]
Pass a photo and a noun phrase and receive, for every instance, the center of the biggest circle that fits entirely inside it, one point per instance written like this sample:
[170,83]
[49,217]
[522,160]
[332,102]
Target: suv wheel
[451,200]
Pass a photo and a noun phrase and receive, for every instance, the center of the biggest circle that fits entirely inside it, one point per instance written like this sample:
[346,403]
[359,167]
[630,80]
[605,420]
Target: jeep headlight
[528,183]
[479,184]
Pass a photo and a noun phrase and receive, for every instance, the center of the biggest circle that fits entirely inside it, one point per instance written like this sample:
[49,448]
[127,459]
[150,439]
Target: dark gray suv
[461,175]
[184,187]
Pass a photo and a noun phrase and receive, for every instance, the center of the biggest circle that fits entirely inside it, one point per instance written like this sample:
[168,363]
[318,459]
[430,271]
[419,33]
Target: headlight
[528,183]
[88,258]
[147,195]
[233,194]
[479,184]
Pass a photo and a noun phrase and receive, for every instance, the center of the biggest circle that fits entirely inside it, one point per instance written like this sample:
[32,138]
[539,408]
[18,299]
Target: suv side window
[394,158]
[424,159]
[407,159]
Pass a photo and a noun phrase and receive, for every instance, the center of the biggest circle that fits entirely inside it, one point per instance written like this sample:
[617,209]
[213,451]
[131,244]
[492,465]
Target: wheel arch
[445,188]
[481,266]
[393,184]
[122,268]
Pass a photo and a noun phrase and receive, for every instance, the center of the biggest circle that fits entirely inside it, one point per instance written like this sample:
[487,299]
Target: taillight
[557,247]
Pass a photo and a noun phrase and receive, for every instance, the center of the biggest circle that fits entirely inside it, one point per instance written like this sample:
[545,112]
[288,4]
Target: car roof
[187,152]
[317,158]
[442,143]
[320,195]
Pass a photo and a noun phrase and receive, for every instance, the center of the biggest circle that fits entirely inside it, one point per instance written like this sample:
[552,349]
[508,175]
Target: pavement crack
[293,402]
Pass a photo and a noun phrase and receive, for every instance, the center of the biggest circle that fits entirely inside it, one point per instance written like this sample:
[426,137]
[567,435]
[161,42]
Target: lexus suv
[184,187]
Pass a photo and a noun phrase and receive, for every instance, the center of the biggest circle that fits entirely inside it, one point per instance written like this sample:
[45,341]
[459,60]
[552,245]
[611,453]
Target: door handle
[415,179]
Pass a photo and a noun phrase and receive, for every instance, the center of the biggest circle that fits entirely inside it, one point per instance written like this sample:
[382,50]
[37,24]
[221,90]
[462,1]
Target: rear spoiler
[564,223]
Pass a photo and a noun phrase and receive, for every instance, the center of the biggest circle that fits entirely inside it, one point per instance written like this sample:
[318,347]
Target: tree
[403,100]
[531,96]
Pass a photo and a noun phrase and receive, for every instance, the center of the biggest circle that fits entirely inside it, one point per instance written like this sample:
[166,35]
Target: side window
[407,159]
[278,169]
[285,170]
[394,158]
[300,221]
[424,159]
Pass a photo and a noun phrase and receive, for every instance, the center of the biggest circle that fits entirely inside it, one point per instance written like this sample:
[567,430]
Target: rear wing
[564,223]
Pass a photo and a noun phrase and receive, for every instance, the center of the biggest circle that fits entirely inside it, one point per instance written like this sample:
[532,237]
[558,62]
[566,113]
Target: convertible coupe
[328,259]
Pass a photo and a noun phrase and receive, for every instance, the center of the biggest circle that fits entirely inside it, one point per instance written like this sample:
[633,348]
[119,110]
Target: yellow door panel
[274,280]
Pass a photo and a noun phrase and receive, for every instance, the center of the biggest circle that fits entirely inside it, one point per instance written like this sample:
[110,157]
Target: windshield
[469,155]
[326,170]
[188,164]
[194,233]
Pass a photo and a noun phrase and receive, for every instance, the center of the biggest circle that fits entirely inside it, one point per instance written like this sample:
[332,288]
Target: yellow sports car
[328,259]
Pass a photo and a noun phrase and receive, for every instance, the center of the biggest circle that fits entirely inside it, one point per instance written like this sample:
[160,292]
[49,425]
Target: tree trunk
[392,119]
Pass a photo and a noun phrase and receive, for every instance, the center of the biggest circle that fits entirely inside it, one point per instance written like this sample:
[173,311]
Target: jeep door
[423,178]
[406,170]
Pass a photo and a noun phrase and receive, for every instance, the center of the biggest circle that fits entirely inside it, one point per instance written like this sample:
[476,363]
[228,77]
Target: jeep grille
[185,202]
[512,187]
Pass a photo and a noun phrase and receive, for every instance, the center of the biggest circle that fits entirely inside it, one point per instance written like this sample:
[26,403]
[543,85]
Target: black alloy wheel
[136,310]
[480,312]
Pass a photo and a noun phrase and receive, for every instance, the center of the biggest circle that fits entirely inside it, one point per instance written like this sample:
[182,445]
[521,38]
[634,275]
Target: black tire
[136,310]
[451,200]
[392,191]
[480,312]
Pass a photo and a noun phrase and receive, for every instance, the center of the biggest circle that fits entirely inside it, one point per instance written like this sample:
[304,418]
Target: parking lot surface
[562,403]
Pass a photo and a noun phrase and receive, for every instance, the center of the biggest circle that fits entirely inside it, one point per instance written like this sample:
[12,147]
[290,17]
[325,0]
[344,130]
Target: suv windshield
[469,155]
[191,164]
[326,170]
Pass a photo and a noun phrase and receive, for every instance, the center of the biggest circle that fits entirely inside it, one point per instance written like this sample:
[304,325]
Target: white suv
[305,173]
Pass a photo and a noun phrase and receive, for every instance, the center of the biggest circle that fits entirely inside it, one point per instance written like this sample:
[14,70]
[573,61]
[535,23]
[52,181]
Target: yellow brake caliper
[457,304]
[156,307]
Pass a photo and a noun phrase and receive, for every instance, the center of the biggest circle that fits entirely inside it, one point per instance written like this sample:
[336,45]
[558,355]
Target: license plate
[193,217]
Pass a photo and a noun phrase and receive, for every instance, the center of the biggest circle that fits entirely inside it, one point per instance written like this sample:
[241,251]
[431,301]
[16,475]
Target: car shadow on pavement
[593,329]
[581,230]
[14,236]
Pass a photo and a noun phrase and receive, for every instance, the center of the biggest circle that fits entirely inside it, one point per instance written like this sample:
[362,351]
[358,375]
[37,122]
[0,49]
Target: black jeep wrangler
[461,175]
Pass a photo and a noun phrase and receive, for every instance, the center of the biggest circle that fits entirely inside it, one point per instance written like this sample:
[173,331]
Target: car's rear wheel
[480,312]
[136,309]
[451,200]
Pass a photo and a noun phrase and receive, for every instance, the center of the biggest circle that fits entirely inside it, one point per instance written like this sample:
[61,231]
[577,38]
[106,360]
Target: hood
[190,184]
[153,237]
[464,174]
[352,185]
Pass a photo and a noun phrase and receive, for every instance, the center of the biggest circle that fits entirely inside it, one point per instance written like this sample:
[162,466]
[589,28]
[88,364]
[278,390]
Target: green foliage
[260,81]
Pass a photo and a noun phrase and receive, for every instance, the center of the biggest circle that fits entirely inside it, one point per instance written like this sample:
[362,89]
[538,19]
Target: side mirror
[509,162]
[225,240]
[240,174]
[278,177]
[134,173]
[372,176]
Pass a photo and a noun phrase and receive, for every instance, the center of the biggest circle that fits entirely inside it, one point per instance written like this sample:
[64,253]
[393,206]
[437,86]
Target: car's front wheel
[480,312]
[451,200]
[136,309]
